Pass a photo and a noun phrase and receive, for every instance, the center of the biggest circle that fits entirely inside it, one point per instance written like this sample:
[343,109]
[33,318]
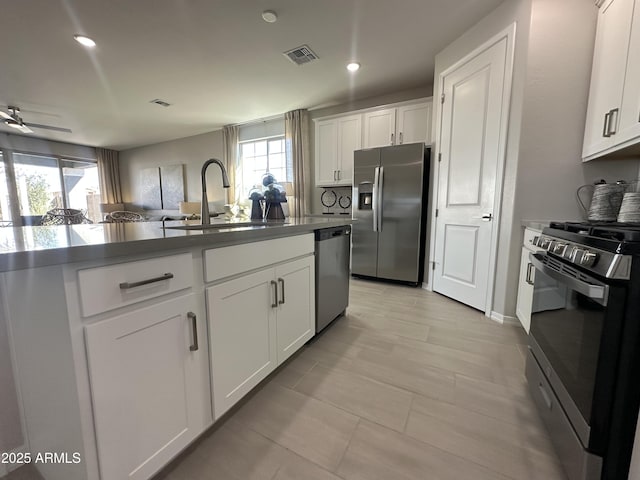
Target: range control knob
[588,259]
[559,248]
[576,255]
[544,243]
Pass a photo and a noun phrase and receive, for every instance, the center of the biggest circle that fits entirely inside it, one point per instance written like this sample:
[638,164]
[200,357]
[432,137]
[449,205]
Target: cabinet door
[380,128]
[296,306]
[149,386]
[242,333]
[525,290]
[607,76]
[349,140]
[414,123]
[630,114]
[326,157]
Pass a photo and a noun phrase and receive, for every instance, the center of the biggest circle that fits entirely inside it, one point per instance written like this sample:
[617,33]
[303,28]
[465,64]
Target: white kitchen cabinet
[612,55]
[395,126]
[148,372]
[629,128]
[336,140]
[525,290]
[256,322]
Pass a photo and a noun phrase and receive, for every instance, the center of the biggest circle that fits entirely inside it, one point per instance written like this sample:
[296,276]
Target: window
[258,157]
[5,206]
[45,182]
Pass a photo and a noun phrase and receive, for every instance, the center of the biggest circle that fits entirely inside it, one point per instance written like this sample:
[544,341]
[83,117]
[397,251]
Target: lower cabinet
[150,387]
[257,321]
[525,290]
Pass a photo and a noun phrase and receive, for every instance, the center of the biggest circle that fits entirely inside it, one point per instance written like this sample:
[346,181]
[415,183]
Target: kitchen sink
[218,226]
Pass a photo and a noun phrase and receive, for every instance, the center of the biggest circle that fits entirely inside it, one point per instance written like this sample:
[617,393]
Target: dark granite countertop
[31,247]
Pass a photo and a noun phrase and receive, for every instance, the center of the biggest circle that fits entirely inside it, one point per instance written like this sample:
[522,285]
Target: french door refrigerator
[389,205]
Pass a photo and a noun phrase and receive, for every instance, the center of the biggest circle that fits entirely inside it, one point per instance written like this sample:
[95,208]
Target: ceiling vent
[162,103]
[301,55]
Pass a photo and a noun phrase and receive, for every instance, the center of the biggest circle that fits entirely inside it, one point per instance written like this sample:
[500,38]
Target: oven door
[575,337]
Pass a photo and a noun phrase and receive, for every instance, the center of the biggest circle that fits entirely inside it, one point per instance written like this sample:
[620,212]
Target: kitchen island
[130,340]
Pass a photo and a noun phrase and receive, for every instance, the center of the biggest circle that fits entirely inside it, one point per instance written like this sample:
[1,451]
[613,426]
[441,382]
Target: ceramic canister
[605,202]
[630,208]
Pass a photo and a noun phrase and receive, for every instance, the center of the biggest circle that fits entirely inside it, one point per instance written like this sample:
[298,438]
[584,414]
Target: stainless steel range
[583,366]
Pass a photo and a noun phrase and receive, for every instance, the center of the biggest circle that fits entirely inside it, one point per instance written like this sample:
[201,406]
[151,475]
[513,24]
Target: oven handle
[598,293]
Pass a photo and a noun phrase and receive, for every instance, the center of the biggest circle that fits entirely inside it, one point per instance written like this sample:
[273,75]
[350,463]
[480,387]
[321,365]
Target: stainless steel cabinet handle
[281,282]
[127,285]
[194,328]
[392,139]
[275,294]
[400,138]
[529,277]
[605,129]
[613,121]
[338,174]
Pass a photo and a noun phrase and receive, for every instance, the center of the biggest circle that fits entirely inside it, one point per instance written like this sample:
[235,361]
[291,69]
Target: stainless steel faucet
[204,207]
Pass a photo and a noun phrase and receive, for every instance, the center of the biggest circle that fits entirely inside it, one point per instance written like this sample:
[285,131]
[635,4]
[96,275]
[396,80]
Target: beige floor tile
[290,374]
[375,401]
[313,429]
[232,452]
[484,440]
[298,468]
[378,453]
[390,326]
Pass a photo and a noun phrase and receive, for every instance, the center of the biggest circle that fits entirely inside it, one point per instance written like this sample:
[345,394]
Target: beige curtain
[296,134]
[230,148]
[109,175]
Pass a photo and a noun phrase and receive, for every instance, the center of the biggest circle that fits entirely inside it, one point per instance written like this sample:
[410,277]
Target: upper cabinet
[395,126]
[336,138]
[614,96]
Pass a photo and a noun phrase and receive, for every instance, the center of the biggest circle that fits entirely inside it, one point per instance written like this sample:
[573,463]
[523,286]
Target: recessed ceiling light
[269,16]
[353,67]
[83,40]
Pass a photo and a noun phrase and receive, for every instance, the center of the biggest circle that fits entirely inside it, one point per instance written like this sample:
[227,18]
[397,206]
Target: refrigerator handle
[380,193]
[374,206]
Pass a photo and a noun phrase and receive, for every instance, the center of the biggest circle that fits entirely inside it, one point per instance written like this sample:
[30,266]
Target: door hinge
[442,98]
[439,157]
[436,212]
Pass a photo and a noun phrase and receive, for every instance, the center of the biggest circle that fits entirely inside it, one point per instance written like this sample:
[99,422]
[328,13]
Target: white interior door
[470,144]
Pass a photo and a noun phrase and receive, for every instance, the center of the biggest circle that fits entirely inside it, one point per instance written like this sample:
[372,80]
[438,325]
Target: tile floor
[409,385]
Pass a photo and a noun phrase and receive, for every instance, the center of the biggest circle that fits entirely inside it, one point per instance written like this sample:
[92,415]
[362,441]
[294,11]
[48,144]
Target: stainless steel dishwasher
[333,249]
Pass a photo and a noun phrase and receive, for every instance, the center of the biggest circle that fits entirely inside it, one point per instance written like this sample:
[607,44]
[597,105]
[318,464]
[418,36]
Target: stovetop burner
[623,232]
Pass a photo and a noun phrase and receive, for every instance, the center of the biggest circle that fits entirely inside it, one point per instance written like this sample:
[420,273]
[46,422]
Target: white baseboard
[509,320]
[426,286]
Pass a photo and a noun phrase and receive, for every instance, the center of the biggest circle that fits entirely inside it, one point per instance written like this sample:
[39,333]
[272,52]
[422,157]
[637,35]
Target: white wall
[190,151]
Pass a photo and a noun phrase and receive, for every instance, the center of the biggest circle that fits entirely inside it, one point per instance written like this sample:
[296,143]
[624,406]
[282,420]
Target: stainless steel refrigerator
[389,203]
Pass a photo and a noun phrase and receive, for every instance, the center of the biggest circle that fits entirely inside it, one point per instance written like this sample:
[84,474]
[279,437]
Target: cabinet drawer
[107,288]
[227,261]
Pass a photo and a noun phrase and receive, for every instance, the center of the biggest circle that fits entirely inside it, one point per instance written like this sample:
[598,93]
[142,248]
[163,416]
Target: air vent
[301,55]
[162,103]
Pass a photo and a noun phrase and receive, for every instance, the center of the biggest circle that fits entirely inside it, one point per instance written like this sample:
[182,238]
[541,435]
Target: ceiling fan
[14,120]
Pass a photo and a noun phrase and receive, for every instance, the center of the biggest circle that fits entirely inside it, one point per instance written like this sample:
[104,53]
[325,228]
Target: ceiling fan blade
[24,129]
[5,115]
[48,127]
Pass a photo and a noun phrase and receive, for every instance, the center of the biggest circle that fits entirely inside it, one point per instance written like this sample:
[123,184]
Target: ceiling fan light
[84,40]
[353,67]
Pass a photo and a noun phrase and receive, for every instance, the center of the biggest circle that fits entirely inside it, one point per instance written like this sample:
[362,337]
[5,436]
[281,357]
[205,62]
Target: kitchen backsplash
[333,201]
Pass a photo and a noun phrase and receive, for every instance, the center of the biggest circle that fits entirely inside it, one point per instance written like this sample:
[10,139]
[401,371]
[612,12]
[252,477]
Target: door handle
[275,294]
[613,122]
[194,329]
[487,217]
[529,277]
[374,203]
[281,282]
[605,129]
